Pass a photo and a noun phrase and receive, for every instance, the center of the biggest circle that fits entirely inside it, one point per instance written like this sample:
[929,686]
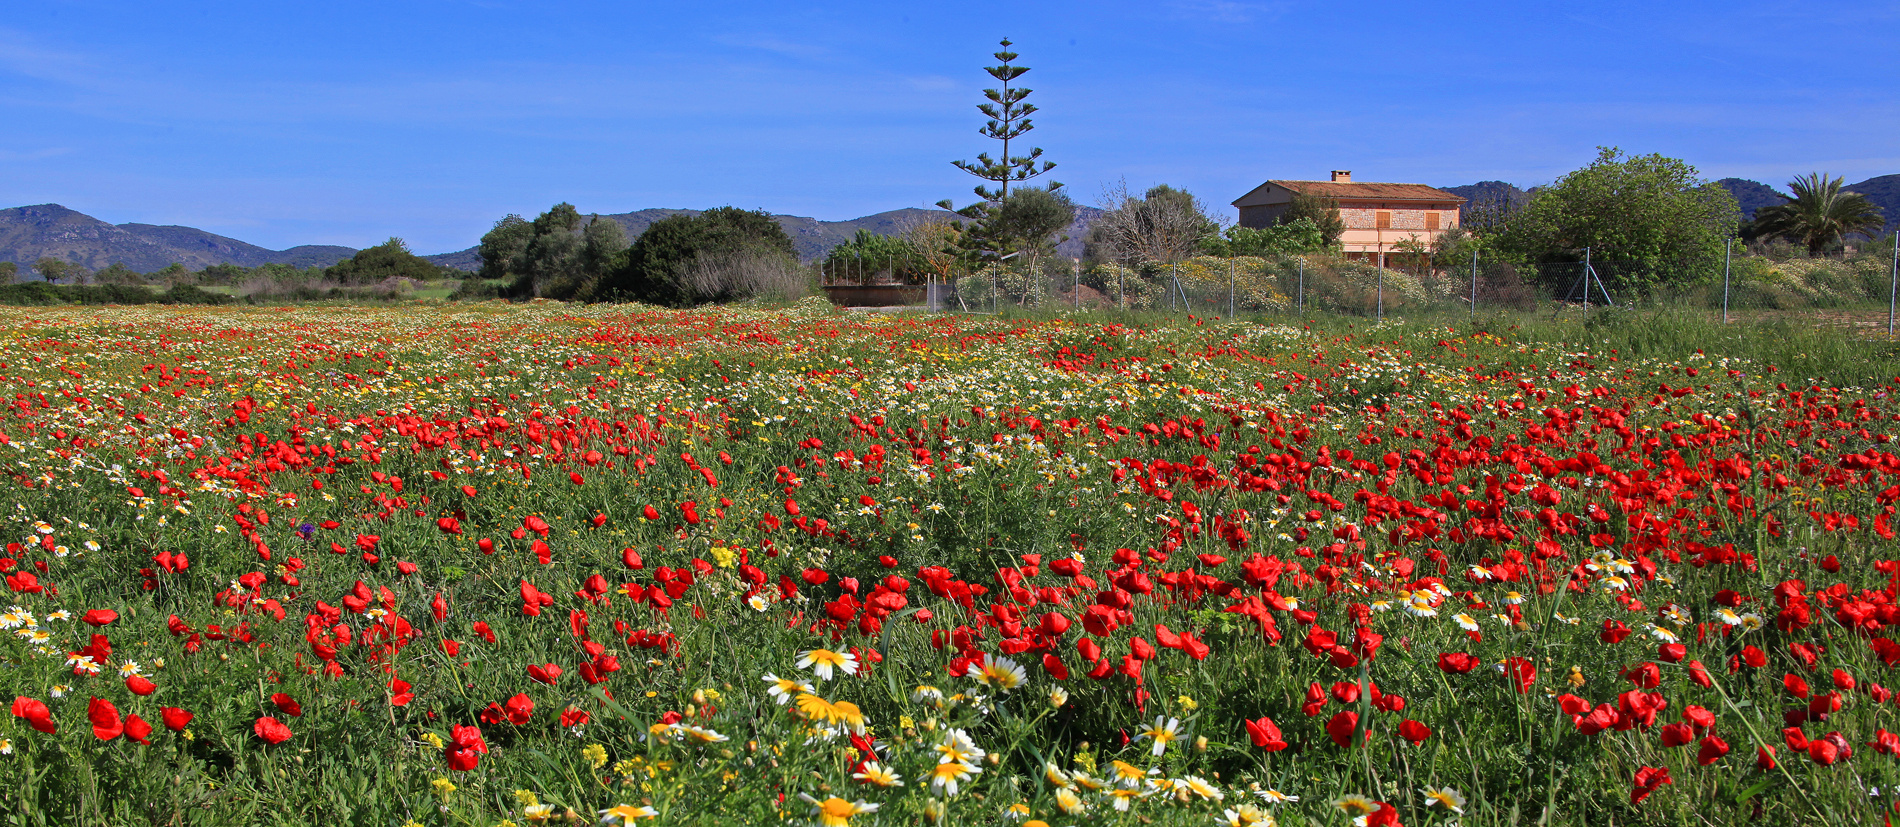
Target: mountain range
[30,233]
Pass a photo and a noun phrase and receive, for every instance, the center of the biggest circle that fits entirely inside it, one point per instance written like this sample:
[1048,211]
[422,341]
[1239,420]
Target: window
[1431,221]
[1382,219]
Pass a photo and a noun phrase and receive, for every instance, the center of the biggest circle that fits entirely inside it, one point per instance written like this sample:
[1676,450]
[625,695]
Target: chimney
[1342,176]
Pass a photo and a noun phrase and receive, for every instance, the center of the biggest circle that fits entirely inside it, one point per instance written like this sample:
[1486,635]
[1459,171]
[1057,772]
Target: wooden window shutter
[1431,220]
[1382,219]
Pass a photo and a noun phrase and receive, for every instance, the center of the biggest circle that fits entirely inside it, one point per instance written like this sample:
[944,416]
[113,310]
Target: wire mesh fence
[1865,286]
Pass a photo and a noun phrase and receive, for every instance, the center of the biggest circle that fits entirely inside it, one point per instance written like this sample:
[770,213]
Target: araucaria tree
[1009,120]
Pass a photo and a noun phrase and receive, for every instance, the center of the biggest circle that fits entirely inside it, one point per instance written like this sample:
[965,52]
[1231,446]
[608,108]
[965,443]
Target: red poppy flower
[547,673]
[1346,692]
[1166,637]
[271,730]
[1099,620]
[36,714]
[1677,734]
[1573,706]
[1598,720]
[1342,727]
[1795,685]
[287,705]
[1414,731]
[137,729]
[571,717]
[1090,650]
[519,709]
[1824,752]
[106,724]
[99,617]
[1711,750]
[1054,666]
[1521,672]
[139,685]
[1053,624]
[1265,734]
[175,719]
[399,694]
[1647,780]
[1457,663]
[1315,699]
[1386,816]
[1141,648]
[1844,681]
[465,748]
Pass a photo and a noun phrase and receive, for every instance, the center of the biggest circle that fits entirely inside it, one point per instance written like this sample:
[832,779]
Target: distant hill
[1884,191]
[28,234]
[1489,192]
[1752,195]
[1492,197]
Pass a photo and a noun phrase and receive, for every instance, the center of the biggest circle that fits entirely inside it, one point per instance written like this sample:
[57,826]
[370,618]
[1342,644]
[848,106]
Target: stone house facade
[1378,216]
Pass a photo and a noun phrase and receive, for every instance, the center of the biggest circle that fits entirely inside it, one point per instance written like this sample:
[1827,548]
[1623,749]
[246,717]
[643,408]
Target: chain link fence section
[1859,289]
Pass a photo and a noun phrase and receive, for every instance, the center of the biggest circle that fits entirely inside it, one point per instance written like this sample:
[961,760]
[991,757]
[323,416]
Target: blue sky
[348,123]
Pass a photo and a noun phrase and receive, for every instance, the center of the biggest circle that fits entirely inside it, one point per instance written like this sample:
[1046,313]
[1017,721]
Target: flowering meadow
[520,564]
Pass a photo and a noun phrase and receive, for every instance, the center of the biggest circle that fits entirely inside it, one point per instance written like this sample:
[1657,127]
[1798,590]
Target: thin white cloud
[10,155]
[24,54]
[775,45]
[1230,11]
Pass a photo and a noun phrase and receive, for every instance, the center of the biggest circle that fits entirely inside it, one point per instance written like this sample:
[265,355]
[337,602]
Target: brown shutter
[1382,219]
[1431,221]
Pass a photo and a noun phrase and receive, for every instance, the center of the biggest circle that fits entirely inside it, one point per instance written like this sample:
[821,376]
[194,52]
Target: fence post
[1230,288]
[1586,280]
[1381,315]
[1076,291]
[1121,297]
[1474,284]
[1176,279]
[1728,250]
[1302,302]
[1893,284]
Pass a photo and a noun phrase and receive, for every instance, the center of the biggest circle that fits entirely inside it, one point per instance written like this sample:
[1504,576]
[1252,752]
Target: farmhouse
[1377,216]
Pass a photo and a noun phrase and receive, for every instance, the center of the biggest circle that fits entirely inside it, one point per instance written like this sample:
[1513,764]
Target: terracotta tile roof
[1369,190]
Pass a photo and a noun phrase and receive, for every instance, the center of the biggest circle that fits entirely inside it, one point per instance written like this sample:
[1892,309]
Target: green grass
[999,444]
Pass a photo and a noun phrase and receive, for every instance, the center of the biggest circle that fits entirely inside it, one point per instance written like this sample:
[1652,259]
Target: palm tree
[1820,213]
